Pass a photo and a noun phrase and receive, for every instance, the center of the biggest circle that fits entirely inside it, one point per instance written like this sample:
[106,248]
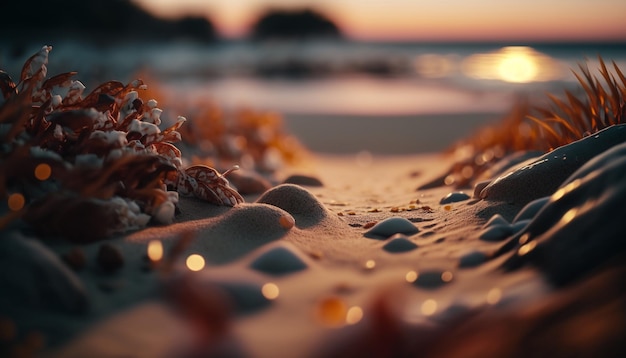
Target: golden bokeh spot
[270,291]
[569,215]
[354,315]
[411,276]
[525,249]
[494,295]
[447,276]
[43,171]
[16,202]
[429,307]
[524,238]
[195,262]
[332,311]
[155,250]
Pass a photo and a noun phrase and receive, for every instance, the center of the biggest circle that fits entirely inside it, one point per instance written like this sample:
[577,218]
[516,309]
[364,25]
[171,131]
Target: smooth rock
[454,197]
[543,176]
[495,233]
[390,226]
[399,243]
[578,230]
[472,259]
[247,297]
[278,261]
[430,280]
[520,225]
[531,209]
[495,220]
[32,276]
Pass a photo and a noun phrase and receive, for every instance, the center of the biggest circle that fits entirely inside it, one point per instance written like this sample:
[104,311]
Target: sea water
[338,77]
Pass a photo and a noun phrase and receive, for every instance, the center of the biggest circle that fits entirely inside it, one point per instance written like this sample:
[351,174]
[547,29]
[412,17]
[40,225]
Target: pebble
[495,220]
[110,258]
[35,277]
[495,233]
[305,180]
[520,225]
[399,243]
[454,197]
[391,226]
[544,176]
[472,259]
[431,279]
[246,297]
[278,261]
[531,209]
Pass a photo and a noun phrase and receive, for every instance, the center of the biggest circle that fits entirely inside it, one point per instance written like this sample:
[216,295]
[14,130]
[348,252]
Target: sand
[293,273]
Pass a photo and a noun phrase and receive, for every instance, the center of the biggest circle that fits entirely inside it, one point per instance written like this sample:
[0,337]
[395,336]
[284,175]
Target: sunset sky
[448,20]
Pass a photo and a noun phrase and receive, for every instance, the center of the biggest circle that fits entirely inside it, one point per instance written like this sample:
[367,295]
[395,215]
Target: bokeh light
[195,262]
[155,250]
[494,295]
[411,276]
[354,315]
[429,307]
[332,311]
[270,291]
[43,171]
[16,202]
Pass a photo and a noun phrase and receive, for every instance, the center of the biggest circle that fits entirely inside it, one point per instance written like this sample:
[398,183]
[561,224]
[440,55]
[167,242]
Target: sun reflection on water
[514,64]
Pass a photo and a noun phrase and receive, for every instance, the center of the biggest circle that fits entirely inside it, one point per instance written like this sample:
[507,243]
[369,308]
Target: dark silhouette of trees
[104,21]
[298,24]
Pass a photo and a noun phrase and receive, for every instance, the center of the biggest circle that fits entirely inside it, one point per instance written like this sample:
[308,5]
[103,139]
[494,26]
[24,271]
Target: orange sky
[427,19]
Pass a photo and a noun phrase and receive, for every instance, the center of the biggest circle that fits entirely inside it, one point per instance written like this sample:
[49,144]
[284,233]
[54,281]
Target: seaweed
[85,167]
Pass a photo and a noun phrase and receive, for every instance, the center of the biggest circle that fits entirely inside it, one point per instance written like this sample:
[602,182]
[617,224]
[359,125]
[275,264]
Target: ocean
[337,77]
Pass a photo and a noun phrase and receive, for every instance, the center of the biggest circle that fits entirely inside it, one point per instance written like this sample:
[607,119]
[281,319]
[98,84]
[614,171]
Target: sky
[427,20]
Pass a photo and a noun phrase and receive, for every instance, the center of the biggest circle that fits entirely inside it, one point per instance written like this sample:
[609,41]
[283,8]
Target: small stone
[454,197]
[246,297]
[110,258]
[75,258]
[305,180]
[278,261]
[391,226]
[531,209]
[496,220]
[399,243]
[432,279]
[495,233]
[472,259]
[520,225]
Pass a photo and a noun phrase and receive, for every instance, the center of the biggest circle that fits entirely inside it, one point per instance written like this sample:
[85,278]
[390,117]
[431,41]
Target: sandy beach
[352,251]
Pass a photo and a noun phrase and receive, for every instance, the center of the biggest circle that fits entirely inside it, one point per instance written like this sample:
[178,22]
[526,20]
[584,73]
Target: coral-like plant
[545,128]
[85,167]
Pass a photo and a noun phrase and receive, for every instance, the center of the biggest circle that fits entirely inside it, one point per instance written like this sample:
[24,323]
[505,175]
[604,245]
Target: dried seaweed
[87,166]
